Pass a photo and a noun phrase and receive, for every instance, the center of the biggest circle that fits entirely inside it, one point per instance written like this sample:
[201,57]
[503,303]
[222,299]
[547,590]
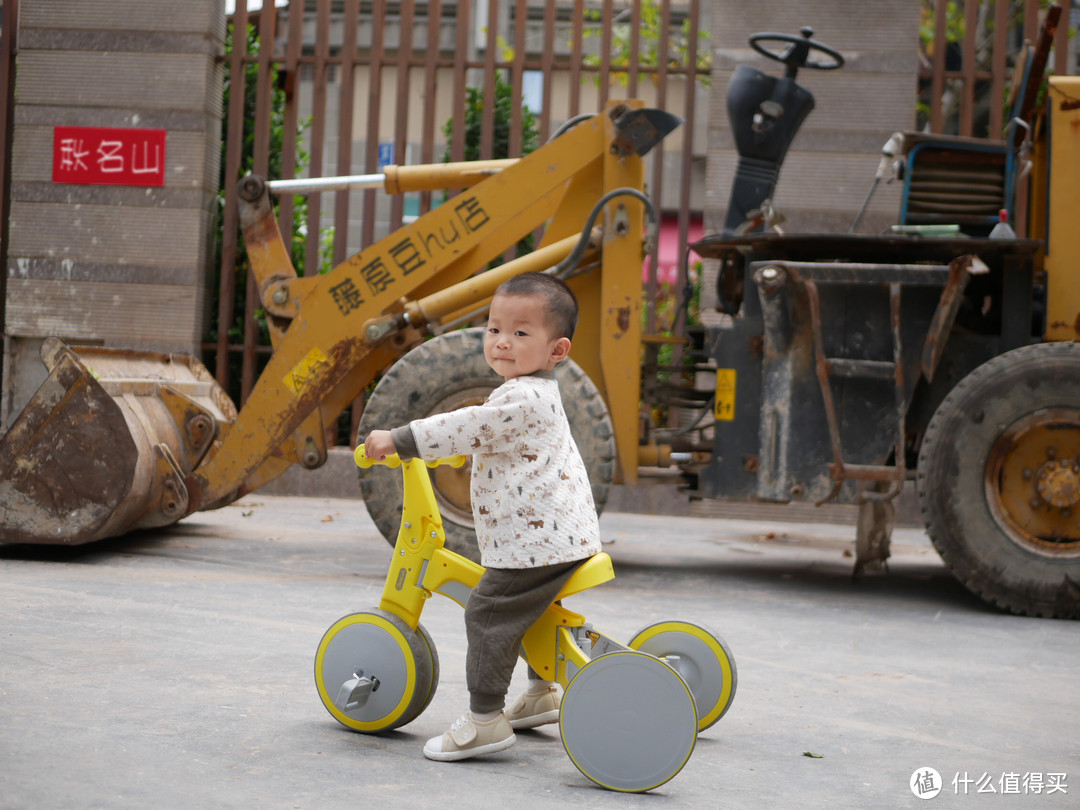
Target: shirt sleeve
[404,442]
[489,428]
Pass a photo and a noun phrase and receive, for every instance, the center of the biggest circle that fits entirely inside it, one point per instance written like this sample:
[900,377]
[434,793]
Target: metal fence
[967,56]
[312,55]
[321,52]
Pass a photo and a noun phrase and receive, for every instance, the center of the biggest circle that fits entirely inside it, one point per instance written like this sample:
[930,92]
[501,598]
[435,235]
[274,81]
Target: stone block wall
[113,265]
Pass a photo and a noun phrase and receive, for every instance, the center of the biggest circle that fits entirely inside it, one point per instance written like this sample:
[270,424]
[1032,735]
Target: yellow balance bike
[630,712]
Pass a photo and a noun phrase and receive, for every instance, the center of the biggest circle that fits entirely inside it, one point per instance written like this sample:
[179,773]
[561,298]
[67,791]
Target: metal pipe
[309,185]
[482,286]
[400,179]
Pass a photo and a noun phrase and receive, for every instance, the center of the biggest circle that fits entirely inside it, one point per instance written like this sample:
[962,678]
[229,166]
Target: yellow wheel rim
[679,638]
[399,643]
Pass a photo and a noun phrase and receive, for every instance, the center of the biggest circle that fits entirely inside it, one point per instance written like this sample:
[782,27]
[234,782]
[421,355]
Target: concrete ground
[173,669]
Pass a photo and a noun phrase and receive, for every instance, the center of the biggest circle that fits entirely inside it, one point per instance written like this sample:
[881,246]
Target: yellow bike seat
[594,571]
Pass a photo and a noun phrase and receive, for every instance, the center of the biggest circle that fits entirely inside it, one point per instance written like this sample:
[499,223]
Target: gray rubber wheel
[999,480]
[703,660]
[449,372]
[628,721]
[382,646]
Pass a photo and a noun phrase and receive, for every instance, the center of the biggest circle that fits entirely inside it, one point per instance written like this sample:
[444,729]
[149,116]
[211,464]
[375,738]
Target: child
[531,500]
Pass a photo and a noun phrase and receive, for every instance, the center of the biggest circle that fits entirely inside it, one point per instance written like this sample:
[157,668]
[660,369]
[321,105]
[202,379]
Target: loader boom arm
[117,439]
[328,342]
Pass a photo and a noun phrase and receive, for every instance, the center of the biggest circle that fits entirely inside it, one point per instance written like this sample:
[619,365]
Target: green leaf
[812,755]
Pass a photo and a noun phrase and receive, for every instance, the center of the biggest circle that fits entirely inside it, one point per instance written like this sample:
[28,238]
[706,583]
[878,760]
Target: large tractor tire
[999,480]
[450,372]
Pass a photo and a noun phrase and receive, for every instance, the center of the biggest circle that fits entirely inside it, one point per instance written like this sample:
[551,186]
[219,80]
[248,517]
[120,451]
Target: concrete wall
[112,265]
[831,164]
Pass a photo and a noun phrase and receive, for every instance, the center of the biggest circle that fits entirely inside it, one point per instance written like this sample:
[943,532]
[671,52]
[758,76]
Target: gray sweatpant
[501,608]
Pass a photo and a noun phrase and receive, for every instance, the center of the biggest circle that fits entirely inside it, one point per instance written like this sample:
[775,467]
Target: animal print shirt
[531,498]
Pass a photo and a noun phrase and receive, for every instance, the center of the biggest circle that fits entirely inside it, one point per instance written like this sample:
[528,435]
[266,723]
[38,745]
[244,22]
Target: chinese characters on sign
[109,156]
[407,255]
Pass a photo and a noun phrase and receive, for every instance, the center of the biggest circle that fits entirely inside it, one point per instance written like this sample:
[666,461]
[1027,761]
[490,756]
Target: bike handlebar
[395,460]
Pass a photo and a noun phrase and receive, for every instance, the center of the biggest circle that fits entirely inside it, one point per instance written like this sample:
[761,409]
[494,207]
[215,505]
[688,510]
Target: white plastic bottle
[1003,230]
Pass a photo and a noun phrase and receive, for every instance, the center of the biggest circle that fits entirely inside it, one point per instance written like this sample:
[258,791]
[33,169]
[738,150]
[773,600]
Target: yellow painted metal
[654,455]
[620,303]
[338,305]
[726,382]
[324,355]
[1063,237]
[420,537]
[421,566]
[440,176]
[479,288]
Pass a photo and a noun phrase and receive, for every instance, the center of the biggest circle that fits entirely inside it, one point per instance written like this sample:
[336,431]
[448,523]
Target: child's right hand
[379,444]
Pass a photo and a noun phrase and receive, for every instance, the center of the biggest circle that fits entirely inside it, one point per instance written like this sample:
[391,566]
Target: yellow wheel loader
[118,440]
[848,365]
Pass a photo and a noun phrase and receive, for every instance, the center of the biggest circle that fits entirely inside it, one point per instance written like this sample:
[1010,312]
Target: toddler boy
[531,500]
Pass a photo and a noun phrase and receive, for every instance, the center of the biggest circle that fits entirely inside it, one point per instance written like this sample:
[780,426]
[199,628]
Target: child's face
[518,340]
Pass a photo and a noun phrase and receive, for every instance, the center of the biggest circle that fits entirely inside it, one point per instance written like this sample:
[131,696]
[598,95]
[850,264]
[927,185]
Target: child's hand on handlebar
[379,444]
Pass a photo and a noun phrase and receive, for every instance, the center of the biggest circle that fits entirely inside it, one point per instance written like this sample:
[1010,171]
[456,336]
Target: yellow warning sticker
[297,379]
[725,395]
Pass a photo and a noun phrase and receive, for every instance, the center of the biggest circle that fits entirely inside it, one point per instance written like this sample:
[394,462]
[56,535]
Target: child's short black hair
[562,305]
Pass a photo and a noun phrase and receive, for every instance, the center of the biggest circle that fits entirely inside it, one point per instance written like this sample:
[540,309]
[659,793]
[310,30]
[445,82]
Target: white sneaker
[468,738]
[535,709]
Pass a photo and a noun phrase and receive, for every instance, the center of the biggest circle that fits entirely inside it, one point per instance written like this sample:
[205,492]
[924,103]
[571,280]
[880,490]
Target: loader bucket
[105,444]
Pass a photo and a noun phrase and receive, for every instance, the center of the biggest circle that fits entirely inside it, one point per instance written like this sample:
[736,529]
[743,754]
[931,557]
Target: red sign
[109,156]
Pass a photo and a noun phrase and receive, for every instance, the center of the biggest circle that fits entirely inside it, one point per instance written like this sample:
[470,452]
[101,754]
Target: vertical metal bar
[342,199]
[547,65]
[657,157]
[9,41]
[895,301]
[260,165]
[292,113]
[967,97]
[263,89]
[687,156]
[371,146]
[517,68]
[937,82]
[577,55]
[401,117]
[318,133]
[230,217]
[606,17]
[457,140]
[635,48]
[1031,21]
[997,69]
[821,365]
[1061,49]
[432,45]
[350,22]
[487,120]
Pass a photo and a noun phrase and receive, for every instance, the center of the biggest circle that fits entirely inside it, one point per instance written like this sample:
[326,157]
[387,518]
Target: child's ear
[561,350]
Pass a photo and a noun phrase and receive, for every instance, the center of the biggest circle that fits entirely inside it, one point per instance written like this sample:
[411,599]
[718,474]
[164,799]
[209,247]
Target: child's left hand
[379,444]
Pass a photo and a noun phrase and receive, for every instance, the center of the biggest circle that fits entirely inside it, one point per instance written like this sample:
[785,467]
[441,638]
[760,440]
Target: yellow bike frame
[554,646]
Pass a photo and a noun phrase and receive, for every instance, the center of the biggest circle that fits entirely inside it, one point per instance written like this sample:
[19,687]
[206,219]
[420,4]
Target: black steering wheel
[796,55]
